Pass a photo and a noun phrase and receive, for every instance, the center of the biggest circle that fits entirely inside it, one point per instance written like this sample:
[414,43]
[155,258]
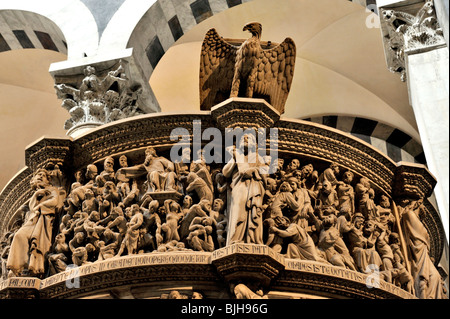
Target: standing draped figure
[33,240]
[427,280]
[247,192]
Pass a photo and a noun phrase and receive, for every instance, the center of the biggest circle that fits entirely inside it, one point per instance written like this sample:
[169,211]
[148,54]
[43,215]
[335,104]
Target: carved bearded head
[307,170]
[108,164]
[247,143]
[293,182]
[285,187]
[359,220]
[384,201]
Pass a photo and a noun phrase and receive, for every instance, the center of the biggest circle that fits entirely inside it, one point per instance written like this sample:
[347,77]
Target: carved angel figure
[253,69]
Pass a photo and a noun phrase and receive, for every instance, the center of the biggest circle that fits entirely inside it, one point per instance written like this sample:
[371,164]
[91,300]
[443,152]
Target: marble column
[429,93]
[416,49]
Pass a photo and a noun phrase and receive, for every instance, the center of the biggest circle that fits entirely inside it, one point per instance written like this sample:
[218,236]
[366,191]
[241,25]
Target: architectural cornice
[201,269]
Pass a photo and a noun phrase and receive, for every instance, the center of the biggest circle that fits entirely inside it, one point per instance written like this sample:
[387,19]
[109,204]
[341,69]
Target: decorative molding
[133,134]
[413,180]
[48,151]
[298,276]
[310,143]
[396,144]
[432,222]
[16,193]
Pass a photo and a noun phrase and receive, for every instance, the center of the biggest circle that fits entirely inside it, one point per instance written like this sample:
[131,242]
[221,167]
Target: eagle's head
[255,28]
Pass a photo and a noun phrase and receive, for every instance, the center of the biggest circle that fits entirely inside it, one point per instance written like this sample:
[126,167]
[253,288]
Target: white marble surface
[428,82]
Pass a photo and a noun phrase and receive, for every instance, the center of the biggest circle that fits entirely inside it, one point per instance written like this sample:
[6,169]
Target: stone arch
[158,27]
[393,142]
[29,30]
[79,31]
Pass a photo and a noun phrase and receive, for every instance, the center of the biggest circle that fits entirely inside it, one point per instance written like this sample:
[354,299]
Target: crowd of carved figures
[115,209]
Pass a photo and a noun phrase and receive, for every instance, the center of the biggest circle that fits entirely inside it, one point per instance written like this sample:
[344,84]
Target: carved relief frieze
[146,200]
[122,209]
[315,141]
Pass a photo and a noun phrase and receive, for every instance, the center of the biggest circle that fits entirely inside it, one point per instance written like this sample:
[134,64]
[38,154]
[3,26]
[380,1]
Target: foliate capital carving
[406,29]
[98,92]
[96,97]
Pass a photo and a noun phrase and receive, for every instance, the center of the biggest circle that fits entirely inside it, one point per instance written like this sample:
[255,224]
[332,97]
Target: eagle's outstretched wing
[275,73]
[217,61]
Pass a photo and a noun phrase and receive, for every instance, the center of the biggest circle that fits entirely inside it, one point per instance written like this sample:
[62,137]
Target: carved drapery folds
[252,223]
[409,28]
[32,242]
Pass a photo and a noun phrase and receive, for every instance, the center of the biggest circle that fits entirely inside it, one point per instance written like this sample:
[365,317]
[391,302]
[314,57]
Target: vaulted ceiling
[340,66]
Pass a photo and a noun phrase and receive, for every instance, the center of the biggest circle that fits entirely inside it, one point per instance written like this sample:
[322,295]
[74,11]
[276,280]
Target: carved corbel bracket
[413,181]
[49,151]
[20,288]
[245,113]
[248,262]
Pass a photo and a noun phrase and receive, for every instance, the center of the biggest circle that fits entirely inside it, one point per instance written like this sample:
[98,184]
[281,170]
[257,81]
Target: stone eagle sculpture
[252,69]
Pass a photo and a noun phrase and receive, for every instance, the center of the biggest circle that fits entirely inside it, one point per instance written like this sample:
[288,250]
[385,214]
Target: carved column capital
[100,90]
[408,27]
